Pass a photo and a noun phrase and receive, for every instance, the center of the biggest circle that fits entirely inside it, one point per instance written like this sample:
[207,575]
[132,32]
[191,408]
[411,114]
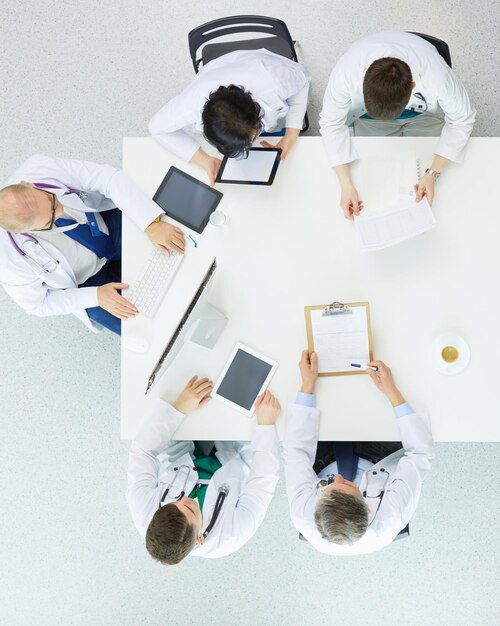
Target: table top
[288,246]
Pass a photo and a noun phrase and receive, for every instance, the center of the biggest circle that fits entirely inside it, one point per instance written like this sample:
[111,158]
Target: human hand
[285,143]
[349,201]
[209,163]
[165,236]
[267,408]
[194,395]
[110,300]
[384,381]
[309,371]
[425,187]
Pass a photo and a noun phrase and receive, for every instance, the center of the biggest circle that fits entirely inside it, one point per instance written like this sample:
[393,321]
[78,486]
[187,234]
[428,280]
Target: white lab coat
[343,101]
[251,489]
[279,85]
[57,293]
[407,470]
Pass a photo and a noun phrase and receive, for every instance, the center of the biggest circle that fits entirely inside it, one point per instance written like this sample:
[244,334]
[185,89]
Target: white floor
[76,77]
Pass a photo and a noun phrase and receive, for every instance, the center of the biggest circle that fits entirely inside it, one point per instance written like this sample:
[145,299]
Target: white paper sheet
[256,168]
[340,339]
[393,226]
[390,214]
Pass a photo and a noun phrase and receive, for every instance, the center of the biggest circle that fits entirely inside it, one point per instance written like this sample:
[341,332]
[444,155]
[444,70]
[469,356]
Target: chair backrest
[440,45]
[278,37]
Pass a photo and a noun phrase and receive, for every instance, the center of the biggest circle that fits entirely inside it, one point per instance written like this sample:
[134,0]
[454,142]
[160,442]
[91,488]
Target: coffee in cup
[450,354]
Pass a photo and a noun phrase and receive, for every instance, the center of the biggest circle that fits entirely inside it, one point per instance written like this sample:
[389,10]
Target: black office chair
[440,45]
[277,40]
[403,534]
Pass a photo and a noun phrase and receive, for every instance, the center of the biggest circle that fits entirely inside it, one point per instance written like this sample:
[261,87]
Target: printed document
[391,214]
[340,340]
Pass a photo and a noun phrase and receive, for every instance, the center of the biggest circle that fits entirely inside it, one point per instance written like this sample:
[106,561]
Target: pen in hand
[363,366]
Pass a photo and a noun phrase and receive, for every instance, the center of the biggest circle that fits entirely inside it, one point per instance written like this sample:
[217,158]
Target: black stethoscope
[420,96]
[331,477]
[223,491]
[381,493]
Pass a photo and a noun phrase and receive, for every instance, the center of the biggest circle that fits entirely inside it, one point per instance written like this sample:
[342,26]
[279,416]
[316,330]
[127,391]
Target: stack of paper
[391,214]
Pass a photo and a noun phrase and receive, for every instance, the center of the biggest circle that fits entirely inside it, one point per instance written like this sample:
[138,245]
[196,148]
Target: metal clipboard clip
[336,308]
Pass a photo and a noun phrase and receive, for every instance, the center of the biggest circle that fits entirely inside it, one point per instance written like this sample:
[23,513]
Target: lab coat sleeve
[154,434]
[259,488]
[38,299]
[297,106]
[299,451]
[166,126]
[404,489]
[332,121]
[105,179]
[459,116]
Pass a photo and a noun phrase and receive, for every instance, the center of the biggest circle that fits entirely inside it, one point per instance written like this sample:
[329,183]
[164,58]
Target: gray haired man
[349,498]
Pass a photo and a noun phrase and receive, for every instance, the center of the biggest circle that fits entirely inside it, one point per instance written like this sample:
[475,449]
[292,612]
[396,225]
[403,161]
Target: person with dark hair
[350,498]
[202,499]
[394,84]
[231,101]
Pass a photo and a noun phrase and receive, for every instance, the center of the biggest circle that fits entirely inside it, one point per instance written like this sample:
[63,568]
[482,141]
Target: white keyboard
[148,290]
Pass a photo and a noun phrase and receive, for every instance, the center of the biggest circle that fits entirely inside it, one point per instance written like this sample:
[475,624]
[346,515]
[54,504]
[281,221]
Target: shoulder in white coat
[278,84]
[402,492]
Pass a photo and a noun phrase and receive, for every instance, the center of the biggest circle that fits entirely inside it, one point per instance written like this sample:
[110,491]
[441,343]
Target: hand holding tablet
[259,168]
[245,376]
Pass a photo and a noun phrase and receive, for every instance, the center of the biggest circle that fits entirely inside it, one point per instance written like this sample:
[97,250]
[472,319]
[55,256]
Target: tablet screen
[244,379]
[186,199]
[259,168]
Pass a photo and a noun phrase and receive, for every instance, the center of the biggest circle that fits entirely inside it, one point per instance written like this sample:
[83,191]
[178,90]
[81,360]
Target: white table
[287,246]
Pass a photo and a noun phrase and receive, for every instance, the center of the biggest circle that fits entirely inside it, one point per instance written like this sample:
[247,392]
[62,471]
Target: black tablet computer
[259,168]
[186,199]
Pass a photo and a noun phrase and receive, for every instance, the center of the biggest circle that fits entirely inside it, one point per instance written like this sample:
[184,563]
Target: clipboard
[335,316]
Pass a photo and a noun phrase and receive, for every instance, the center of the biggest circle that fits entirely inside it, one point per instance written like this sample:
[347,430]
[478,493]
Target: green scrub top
[206,467]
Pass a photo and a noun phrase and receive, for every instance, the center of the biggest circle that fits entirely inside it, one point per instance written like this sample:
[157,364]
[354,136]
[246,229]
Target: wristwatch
[433,173]
[158,219]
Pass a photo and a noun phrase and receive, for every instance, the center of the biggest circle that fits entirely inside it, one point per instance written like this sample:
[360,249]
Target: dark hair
[340,517]
[169,537]
[230,120]
[387,88]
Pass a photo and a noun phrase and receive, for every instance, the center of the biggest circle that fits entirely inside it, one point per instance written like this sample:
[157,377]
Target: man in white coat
[231,100]
[394,83]
[365,510]
[186,502]
[60,238]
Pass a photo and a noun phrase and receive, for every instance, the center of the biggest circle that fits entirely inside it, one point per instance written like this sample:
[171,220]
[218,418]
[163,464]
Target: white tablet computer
[245,376]
[259,168]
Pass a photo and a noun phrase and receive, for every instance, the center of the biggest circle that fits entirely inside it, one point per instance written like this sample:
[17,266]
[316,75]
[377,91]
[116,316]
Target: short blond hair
[17,207]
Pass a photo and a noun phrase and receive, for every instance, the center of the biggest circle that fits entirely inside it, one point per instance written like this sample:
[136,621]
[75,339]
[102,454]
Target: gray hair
[17,207]
[341,518]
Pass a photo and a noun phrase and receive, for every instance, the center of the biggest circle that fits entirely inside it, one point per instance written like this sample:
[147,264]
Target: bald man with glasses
[60,238]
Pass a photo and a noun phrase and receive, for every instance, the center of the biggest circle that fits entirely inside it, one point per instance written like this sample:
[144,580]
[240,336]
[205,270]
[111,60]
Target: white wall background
[76,77]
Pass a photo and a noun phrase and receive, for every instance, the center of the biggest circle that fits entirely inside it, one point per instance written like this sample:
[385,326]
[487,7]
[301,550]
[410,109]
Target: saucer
[449,339]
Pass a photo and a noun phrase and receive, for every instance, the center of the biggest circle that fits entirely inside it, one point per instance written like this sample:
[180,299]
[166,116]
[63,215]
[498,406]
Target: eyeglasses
[53,210]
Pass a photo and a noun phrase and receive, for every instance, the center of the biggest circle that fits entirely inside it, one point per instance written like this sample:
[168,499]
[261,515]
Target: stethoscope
[186,470]
[48,267]
[51,264]
[420,96]
[381,493]
[324,482]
